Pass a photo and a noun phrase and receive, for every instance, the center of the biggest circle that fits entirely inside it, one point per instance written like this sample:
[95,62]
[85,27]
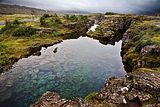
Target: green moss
[90,97]
[156,39]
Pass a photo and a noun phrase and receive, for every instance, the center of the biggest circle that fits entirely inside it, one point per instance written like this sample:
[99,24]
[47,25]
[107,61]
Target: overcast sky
[123,6]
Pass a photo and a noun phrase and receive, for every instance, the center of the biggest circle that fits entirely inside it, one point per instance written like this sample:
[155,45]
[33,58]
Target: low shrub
[110,13]
[67,17]
[9,26]
[56,20]
[73,18]
[24,31]
[16,22]
[49,20]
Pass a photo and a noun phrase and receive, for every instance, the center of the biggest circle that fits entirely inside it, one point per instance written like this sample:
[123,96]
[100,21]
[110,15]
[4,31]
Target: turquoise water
[79,66]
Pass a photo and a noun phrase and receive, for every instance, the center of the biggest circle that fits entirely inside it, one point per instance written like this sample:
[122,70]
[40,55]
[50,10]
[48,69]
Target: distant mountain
[16,9]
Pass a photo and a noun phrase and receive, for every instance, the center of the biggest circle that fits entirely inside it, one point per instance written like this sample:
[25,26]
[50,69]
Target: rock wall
[141,45]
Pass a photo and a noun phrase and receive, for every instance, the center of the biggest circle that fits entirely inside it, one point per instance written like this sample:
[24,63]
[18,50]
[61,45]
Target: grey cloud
[125,6]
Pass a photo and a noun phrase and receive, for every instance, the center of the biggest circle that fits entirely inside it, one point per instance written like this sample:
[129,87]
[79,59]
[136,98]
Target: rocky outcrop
[111,29]
[51,99]
[138,88]
[141,45]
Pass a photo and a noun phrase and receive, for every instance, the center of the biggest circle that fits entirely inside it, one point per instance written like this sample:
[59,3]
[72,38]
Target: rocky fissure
[141,85]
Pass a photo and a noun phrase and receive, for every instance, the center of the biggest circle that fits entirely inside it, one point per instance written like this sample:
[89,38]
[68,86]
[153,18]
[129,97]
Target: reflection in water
[80,66]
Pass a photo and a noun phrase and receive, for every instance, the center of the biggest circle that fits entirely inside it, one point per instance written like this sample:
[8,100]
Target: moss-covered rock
[141,45]
[111,28]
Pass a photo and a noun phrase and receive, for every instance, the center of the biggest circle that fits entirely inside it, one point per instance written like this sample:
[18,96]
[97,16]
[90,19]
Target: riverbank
[140,54]
[22,39]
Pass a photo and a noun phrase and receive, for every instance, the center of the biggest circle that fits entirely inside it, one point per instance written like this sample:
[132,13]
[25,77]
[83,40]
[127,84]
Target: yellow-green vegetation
[91,97]
[143,45]
[17,38]
[1,26]
[156,39]
[63,23]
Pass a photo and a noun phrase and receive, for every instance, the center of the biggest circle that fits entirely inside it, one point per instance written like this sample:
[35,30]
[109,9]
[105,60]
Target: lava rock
[51,99]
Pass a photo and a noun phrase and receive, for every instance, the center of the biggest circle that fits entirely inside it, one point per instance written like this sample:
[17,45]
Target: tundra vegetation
[18,38]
